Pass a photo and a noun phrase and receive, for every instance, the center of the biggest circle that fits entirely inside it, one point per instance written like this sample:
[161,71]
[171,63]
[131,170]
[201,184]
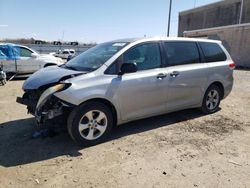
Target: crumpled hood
[48,75]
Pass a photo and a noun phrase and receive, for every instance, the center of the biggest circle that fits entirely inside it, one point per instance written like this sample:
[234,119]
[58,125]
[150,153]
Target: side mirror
[34,55]
[128,68]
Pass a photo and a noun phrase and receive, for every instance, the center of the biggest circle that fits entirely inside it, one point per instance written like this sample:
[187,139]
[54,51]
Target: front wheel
[90,123]
[211,100]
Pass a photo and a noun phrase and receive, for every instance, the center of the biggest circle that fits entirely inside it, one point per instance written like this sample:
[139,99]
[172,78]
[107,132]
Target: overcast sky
[89,20]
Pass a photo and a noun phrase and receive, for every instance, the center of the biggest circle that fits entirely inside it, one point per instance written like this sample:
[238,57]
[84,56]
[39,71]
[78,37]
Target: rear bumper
[227,90]
[228,86]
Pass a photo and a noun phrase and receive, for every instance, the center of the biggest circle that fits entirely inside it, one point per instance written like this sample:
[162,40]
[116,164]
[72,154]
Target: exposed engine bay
[44,105]
[38,94]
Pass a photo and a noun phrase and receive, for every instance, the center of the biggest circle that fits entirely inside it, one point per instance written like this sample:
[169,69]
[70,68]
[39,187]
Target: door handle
[161,76]
[174,73]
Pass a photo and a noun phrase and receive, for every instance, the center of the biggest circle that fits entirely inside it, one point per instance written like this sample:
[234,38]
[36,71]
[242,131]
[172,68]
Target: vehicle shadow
[17,146]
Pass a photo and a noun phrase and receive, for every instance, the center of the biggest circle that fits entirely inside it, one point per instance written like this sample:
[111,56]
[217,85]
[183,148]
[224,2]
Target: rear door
[187,75]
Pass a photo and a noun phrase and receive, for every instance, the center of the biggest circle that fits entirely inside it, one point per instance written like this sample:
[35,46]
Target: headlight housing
[51,90]
[61,87]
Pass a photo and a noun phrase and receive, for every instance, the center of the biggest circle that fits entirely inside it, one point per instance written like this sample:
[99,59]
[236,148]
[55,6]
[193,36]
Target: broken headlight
[48,92]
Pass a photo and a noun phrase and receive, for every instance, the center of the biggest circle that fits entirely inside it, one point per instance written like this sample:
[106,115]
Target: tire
[96,121]
[211,100]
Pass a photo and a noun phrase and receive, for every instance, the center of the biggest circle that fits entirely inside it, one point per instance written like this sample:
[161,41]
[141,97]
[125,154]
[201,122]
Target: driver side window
[146,56]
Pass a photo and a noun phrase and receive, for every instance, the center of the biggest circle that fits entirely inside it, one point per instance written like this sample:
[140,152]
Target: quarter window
[212,52]
[146,56]
[180,53]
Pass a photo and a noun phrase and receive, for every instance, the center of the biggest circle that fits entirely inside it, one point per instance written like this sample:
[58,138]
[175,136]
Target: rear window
[212,52]
[181,53]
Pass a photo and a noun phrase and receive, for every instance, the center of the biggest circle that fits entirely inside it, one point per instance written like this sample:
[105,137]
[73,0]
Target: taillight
[232,66]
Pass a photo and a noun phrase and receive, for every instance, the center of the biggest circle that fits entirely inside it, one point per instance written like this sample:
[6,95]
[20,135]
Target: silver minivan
[125,80]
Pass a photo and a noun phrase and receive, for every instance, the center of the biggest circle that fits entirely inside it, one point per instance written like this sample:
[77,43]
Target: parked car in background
[125,80]
[21,59]
[65,54]
[74,43]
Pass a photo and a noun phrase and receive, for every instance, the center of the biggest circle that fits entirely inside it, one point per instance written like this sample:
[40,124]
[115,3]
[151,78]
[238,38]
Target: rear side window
[181,53]
[212,52]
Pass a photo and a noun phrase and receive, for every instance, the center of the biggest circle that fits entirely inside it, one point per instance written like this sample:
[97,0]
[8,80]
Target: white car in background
[23,60]
[65,54]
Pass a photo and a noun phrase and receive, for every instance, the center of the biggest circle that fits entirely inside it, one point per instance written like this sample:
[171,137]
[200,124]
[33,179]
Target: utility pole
[169,16]
[241,11]
[194,3]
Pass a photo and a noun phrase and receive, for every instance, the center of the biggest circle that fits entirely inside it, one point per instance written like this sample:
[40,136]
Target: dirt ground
[182,149]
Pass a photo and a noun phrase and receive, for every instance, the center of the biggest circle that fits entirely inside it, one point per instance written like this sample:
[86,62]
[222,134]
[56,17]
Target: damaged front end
[39,90]
[44,105]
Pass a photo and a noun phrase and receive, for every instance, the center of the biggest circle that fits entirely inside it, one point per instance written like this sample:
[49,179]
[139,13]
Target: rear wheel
[90,123]
[211,100]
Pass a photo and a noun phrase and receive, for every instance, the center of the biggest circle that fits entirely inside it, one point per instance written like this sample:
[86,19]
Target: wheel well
[221,87]
[49,64]
[107,103]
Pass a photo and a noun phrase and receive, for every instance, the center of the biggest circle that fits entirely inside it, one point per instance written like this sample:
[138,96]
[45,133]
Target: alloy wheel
[212,99]
[93,124]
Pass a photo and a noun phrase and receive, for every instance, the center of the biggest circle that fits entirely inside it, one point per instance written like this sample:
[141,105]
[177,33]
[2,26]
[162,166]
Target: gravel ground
[182,149]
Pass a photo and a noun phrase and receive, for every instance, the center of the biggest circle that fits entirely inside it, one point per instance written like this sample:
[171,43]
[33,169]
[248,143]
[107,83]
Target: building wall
[217,14]
[246,12]
[236,40]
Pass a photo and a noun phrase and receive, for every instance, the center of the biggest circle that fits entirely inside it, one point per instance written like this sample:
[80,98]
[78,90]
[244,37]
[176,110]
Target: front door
[142,93]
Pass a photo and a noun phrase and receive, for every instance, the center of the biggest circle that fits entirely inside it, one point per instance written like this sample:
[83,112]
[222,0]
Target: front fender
[79,96]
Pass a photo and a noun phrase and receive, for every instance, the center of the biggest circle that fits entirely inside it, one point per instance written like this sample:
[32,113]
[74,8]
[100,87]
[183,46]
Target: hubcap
[212,99]
[93,124]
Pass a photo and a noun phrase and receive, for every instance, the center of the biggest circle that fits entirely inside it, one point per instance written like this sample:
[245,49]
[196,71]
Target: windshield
[95,57]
